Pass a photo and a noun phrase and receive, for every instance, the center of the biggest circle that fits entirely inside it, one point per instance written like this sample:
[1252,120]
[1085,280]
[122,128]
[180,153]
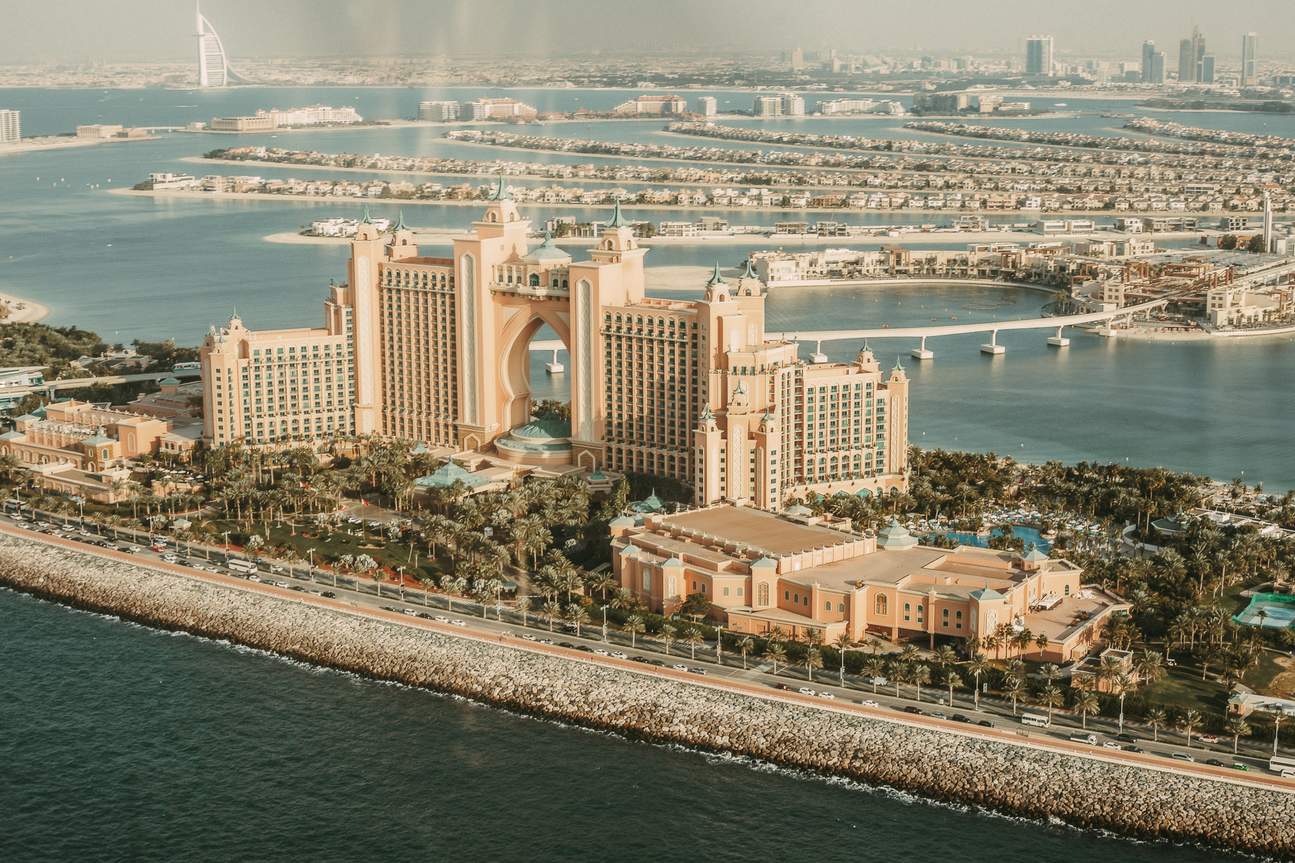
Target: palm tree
[523,604]
[745,646]
[552,610]
[978,666]
[577,614]
[953,681]
[1187,723]
[1051,698]
[920,673]
[945,656]
[842,644]
[1013,686]
[634,625]
[1278,715]
[1086,704]
[1157,719]
[693,638]
[873,667]
[1120,686]
[667,636]
[1238,728]
[776,653]
[898,672]
[1150,667]
[813,659]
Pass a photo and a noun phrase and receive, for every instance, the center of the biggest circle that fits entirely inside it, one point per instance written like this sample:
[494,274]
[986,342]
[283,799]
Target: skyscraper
[1249,59]
[10,126]
[213,65]
[1038,55]
[1157,68]
[1206,75]
[1148,58]
[1186,61]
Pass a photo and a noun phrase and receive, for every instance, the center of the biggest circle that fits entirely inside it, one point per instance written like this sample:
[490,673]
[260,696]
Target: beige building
[78,448]
[437,350]
[653,105]
[803,574]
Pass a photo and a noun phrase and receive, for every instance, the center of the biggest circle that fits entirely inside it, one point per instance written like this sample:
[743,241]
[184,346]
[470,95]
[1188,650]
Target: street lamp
[310,567]
[604,608]
[719,644]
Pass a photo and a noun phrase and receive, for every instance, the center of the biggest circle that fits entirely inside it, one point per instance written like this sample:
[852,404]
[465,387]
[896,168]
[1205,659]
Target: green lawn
[1182,689]
[332,544]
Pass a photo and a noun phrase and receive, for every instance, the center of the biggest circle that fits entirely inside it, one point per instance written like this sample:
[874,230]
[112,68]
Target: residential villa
[801,574]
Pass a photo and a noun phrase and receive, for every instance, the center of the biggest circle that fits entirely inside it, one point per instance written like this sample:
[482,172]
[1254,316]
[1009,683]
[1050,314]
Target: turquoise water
[1028,535]
[127,744]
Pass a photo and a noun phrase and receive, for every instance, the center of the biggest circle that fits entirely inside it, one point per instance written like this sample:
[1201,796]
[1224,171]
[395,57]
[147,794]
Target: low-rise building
[500,109]
[653,105]
[16,381]
[438,111]
[800,574]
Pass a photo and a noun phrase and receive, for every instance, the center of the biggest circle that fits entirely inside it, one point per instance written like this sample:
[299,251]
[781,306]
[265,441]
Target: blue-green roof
[986,593]
[98,440]
[448,474]
[543,428]
[618,219]
[1033,555]
[547,251]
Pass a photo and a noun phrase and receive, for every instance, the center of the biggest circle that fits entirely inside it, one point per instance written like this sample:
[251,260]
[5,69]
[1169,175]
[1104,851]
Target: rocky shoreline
[1017,780]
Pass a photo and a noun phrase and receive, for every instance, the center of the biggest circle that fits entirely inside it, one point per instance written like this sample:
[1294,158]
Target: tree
[953,681]
[1013,686]
[1228,242]
[577,614]
[1051,698]
[1187,723]
[634,625]
[813,659]
[694,639]
[919,675]
[1256,244]
[1238,728]
[1120,687]
[1085,705]
[873,667]
[668,633]
[979,666]
[552,611]
[776,653]
[1278,715]
[1157,719]
[745,646]
[842,644]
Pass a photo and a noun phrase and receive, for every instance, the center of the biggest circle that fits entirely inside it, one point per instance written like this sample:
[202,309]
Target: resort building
[653,105]
[438,112]
[79,448]
[801,574]
[500,109]
[437,350]
[10,126]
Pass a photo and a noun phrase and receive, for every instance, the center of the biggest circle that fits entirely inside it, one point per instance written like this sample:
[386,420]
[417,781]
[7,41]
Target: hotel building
[437,350]
[802,574]
[10,126]
[653,104]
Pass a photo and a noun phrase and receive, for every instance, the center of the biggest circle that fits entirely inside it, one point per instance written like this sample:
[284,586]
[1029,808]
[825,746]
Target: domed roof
[543,428]
[895,536]
[546,251]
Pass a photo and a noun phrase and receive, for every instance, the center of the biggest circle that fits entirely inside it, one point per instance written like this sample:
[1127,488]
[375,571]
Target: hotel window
[880,605]
[906,611]
[763,593]
[647,580]
[827,605]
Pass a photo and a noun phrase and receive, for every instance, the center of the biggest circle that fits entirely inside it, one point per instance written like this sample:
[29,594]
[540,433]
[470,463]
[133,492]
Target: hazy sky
[112,30]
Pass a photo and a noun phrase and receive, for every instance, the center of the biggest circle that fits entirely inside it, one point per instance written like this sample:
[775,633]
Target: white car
[409,611]
[1207,738]
[601,652]
[440,618]
[805,690]
[826,695]
[678,667]
[616,654]
[170,558]
[868,702]
[527,636]
[457,622]
[1111,744]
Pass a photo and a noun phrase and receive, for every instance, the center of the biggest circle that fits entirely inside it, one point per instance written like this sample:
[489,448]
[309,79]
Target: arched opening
[535,368]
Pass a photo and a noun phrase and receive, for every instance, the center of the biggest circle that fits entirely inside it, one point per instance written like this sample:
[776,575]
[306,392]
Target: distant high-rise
[797,59]
[707,106]
[10,126]
[767,106]
[1249,61]
[1191,58]
[213,65]
[1038,56]
[1157,68]
[1206,75]
[1148,57]
[1269,236]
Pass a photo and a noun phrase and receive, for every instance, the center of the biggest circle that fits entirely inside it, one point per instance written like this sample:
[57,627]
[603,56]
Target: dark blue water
[127,744]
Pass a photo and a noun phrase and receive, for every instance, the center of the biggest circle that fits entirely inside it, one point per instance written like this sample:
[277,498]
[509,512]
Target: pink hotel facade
[803,574]
[436,350]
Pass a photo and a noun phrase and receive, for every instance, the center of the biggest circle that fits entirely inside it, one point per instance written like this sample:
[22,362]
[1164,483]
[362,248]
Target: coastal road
[752,682]
[53,386]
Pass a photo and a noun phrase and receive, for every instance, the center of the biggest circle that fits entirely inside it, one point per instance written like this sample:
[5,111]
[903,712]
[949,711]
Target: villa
[802,574]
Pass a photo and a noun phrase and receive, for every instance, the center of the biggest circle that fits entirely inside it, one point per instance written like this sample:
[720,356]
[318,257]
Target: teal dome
[544,429]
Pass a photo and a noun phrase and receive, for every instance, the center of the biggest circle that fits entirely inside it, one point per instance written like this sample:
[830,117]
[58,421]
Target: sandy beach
[60,142]
[22,311]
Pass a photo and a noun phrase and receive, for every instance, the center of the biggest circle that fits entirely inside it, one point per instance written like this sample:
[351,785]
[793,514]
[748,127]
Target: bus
[191,366]
[240,566]
[1038,720]
[1282,766]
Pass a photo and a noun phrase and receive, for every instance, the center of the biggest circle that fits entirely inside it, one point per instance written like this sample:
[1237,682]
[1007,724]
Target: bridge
[1058,323]
[49,388]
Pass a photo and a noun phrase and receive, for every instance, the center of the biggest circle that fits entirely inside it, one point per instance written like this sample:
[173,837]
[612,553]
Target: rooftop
[758,529]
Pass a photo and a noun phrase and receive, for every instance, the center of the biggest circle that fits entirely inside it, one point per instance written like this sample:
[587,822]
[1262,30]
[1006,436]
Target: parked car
[868,702]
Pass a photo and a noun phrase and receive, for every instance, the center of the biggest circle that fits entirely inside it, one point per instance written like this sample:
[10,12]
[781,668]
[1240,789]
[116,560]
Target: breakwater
[951,767]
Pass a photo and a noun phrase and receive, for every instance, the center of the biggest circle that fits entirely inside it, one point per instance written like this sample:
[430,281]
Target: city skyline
[152,30]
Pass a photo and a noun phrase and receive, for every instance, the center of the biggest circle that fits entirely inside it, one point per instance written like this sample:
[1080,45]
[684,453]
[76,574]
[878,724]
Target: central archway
[515,356]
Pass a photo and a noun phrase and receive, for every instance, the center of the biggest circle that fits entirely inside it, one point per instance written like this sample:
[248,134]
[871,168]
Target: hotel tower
[437,350]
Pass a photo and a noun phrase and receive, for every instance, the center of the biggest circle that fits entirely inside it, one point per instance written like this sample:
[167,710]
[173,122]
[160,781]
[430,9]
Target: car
[526,636]
[805,690]
[1090,739]
[960,717]
[784,687]
[601,652]
[277,569]
[568,645]
[298,588]
[280,583]
[254,577]
[128,549]
[328,594]
[868,702]
[457,622]
[616,654]
[938,714]
[411,612]
[1131,747]
[984,723]
[700,671]
[679,667]
[913,709]
[1182,756]
[1214,762]
[826,694]
[1237,765]
[440,618]
[1207,738]
[639,659]
[389,608]
[547,641]
[1127,738]
[1172,663]
[170,558]
[1111,744]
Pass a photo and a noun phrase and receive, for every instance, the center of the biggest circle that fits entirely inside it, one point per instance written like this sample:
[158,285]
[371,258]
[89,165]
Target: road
[52,386]
[467,619]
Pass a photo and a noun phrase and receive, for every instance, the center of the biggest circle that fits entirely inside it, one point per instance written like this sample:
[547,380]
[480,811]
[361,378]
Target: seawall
[970,770]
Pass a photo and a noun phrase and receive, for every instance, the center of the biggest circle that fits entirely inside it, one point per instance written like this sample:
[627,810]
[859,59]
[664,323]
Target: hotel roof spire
[618,219]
